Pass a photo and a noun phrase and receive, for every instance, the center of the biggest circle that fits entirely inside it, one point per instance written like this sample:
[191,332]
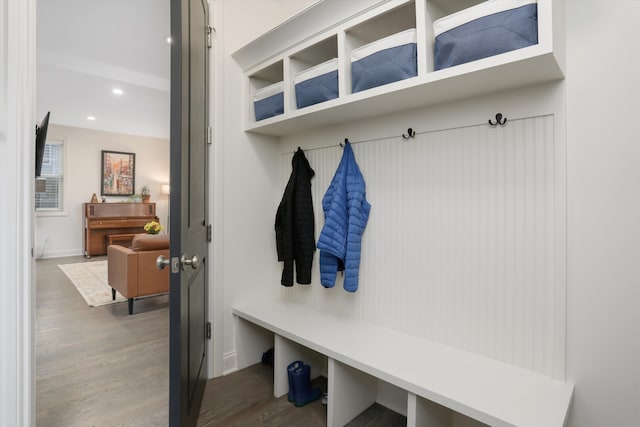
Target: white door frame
[17,135]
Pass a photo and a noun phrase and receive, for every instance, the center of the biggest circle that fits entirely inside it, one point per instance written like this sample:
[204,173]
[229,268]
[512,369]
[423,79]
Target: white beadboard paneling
[459,247]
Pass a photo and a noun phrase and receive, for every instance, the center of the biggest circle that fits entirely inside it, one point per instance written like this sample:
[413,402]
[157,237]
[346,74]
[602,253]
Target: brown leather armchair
[133,272]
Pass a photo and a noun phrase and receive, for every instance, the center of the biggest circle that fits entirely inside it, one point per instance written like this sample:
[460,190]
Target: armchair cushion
[150,242]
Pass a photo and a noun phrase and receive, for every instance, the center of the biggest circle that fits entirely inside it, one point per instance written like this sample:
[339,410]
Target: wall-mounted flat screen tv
[41,139]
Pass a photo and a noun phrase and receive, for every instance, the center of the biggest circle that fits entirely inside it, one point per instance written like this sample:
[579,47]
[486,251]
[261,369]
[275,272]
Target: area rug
[90,278]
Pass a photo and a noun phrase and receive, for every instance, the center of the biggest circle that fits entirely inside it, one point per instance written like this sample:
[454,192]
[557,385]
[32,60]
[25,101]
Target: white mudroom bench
[441,385]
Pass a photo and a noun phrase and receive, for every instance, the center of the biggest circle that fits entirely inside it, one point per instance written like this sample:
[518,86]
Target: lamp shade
[165,189]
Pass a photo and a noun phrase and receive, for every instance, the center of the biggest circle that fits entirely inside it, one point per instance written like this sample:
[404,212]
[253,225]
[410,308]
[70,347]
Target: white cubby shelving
[273,73]
[266,76]
[277,56]
[305,59]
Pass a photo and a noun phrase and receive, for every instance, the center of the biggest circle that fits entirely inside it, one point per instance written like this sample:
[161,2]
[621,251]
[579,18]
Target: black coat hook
[499,120]
[411,133]
[346,141]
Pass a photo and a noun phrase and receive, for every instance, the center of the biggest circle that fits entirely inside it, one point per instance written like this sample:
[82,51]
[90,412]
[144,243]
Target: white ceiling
[86,48]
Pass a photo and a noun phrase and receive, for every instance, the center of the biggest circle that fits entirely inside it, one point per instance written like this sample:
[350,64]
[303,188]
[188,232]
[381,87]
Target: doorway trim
[17,298]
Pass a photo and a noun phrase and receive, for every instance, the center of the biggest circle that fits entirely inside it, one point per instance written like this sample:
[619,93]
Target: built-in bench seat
[440,382]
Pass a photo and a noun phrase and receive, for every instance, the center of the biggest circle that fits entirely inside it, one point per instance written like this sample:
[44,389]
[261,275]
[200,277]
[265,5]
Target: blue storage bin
[317,84]
[384,61]
[484,30]
[269,101]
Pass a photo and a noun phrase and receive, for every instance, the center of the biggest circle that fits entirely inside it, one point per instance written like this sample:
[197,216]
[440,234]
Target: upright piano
[102,220]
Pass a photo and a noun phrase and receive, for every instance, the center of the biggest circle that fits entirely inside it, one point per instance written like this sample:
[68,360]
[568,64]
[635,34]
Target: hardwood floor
[98,366]
[245,398]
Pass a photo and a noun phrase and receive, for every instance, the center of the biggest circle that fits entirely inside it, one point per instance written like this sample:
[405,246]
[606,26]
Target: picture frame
[118,173]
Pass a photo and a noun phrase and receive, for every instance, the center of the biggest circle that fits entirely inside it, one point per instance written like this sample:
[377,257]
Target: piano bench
[121,239]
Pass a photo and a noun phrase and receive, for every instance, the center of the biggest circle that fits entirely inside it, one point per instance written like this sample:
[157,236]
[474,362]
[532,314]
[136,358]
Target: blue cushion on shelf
[317,89]
[487,36]
[383,67]
[269,107]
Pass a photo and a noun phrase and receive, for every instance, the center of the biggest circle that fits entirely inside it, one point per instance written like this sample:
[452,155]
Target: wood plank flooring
[245,398]
[98,366]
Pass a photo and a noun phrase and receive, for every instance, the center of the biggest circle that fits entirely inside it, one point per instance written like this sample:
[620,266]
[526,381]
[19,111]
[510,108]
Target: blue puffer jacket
[346,212]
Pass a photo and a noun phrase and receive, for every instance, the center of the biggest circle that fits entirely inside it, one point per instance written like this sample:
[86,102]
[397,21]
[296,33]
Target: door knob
[162,262]
[194,262]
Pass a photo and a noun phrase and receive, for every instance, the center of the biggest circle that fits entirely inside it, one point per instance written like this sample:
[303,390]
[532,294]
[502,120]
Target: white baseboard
[229,363]
[59,254]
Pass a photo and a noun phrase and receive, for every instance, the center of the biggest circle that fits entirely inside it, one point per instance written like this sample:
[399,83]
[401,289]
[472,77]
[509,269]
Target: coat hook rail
[411,132]
[500,120]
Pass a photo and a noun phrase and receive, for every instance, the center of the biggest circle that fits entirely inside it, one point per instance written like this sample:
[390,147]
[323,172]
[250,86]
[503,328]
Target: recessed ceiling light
[91,118]
[117,91]
[169,39]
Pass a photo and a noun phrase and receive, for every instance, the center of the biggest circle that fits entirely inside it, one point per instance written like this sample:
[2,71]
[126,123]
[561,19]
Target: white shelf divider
[350,393]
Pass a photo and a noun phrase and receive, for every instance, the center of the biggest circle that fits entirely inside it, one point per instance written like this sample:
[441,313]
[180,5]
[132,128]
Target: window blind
[52,173]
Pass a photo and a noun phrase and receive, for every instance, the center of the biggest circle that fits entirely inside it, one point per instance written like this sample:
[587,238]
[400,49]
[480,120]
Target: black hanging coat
[295,232]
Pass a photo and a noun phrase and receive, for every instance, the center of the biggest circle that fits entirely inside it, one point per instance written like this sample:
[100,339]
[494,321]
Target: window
[52,172]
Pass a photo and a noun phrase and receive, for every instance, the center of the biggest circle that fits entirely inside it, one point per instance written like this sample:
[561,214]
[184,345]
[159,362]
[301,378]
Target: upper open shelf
[274,58]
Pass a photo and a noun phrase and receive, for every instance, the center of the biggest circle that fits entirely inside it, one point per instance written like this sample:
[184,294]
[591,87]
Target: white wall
[603,151]
[60,234]
[257,17]
[244,169]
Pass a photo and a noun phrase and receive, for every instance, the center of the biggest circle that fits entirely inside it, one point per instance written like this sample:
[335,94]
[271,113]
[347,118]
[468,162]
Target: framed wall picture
[118,173]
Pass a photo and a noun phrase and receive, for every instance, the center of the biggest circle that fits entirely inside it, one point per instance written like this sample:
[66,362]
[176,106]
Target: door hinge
[210,31]
[209,135]
[209,233]
[208,330]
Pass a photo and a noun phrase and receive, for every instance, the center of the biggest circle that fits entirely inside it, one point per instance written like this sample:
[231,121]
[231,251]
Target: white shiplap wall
[460,244]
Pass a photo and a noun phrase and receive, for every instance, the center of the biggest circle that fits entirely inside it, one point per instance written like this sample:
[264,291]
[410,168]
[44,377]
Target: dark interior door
[188,205]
